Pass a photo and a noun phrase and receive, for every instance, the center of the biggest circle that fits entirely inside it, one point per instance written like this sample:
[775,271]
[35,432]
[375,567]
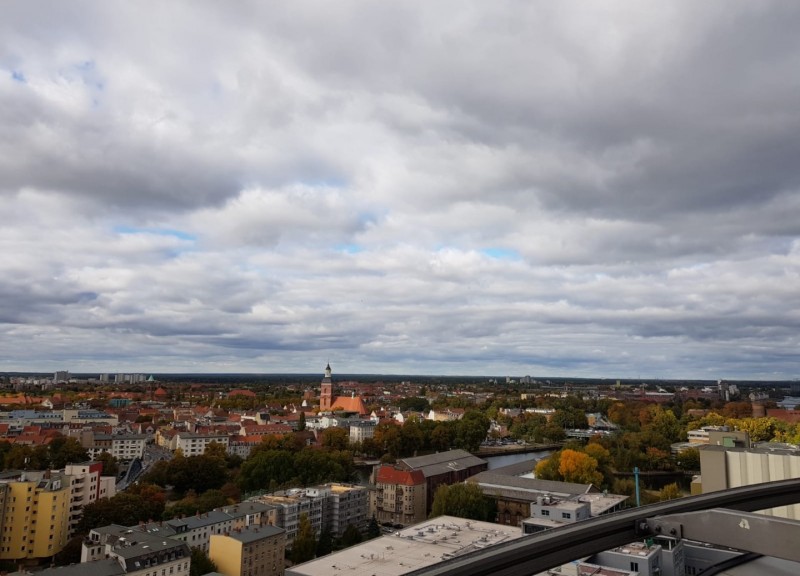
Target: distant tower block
[326,391]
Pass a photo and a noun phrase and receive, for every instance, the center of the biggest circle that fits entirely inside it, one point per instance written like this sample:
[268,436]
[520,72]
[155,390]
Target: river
[506,459]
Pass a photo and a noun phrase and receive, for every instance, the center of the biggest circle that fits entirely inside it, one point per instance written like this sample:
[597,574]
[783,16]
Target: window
[634,566]
[545,512]
[566,515]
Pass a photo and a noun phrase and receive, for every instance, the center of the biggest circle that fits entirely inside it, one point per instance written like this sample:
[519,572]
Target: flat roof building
[409,549]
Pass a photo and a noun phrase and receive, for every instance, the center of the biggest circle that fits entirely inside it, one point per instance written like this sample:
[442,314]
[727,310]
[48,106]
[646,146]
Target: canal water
[507,459]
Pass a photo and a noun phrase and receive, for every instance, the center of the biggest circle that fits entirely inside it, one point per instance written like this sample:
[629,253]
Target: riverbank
[485,451]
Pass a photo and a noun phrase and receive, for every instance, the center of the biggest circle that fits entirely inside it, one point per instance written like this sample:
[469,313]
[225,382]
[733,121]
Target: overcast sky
[506,188]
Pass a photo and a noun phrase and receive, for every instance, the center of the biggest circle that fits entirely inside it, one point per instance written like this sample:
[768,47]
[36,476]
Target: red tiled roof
[241,392]
[350,404]
[391,475]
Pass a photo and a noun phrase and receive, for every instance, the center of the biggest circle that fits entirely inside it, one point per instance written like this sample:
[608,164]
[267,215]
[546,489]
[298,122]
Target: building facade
[723,467]
[443,468]
[139,552]
[252,551]
[193,444]
[400,496]
[197,530]
[35,516]
[87,485]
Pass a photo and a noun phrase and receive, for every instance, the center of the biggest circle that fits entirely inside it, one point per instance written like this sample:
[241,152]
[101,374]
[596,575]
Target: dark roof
[254,533]
[442,462]
[518,483]
[135,547]
[518,468]
[105,567]
[205,519]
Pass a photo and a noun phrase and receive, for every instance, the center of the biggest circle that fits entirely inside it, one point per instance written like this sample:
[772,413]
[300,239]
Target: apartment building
[197,530]
[123,447]
[443,468]
[135,552]
[87,485]
[361,430]
[343,505]
[334,506]
[286,508]
[252,551]
[35,516]
[400,496]
[194,444]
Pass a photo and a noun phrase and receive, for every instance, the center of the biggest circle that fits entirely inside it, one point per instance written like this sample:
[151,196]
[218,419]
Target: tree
[334,439]
[413,403]
[301,422]
[192,503]
[412,438]
[110,464]
[656,459]
[598,452]
[305,544]
[325,544]
[570,418]
[669,492]
[759,429]
[71,553]
[23,457]
[373,529]
[5,448]
[140,503]
[625,486]
[263,468]
[387,437]
[442,436]
[198,473]
[63,451]
[689,459]
[201,563]
[471,430]
[465,500]
[655,420]
[547,468]
[216,450]
[579,467]
[351,536]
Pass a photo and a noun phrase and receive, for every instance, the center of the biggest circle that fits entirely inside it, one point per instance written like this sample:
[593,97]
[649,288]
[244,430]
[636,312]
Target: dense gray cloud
[602,189]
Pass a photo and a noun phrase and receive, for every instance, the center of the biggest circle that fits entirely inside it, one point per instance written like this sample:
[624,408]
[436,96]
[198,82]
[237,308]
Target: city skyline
[568,189]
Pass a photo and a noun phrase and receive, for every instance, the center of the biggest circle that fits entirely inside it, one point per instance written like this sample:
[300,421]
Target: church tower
[326,391]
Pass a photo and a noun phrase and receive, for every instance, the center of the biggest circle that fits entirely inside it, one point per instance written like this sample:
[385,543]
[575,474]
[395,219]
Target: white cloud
[605,189]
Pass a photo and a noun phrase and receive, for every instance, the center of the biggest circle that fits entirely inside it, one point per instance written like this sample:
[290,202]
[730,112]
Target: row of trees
[60,451]
[395,441]
[208,471]
[273,469]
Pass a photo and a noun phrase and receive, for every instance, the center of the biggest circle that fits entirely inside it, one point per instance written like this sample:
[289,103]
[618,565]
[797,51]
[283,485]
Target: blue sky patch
[157,231]
[501,253]
[18,76]
[349,248]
